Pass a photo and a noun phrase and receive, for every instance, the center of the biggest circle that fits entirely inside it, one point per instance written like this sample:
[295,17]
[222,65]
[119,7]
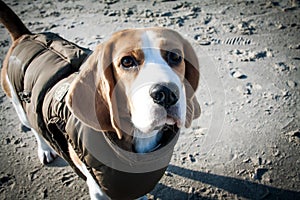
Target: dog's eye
[174,58]
[128,62]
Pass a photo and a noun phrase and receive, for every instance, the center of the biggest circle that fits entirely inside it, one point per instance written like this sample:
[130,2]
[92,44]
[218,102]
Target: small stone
[237,74]
[240,172]
[113,13]
[247,160]
[183,158]
[128,12]
[168,174]
[25,129]
[259,172]
[281,66]
[191,190]
[24,145]
[177,6]
[204,42]
[294,136]
[276,153]
[166,14]
[269,52]
[196,9]
[291,84]
[192,158]
[7,140]
[148,13]
[18,141]
[246,28]
[268,162]
[207,18]
[296,46]
[45,193]
[281,26]
[110,2]
[236,52]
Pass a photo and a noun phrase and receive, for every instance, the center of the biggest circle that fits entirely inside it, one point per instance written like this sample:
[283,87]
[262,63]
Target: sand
[246,144]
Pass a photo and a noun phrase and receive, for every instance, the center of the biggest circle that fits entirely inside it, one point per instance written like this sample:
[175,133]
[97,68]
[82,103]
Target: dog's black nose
[165,94]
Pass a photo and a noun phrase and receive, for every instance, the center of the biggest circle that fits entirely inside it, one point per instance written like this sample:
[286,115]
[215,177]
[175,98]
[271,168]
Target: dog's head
[140,82]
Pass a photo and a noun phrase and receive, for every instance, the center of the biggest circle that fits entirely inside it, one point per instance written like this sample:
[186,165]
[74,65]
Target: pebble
[148,13]
[4,43]
[247,160]
[237,52]
[166,14]
[168,174]
[191,190]
[291,84]
[110,2]
[192,158]
[196,9]
[240,172]
[281,26]
[296,46]
[45,193]
[207,19]
[18,141]
[128,12]
[204,42]
[276,153]
[183,159]
[281,66]
[245,28]
[259,172]
[113,13]
[294,136]
[246,55]
[7,140]
[25,129]
[236,73]
[257,55]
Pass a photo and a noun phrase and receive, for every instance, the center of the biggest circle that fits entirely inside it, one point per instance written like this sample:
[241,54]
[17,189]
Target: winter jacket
[46,67]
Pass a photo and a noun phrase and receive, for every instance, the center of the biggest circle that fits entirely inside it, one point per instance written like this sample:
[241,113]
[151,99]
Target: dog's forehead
[158,38]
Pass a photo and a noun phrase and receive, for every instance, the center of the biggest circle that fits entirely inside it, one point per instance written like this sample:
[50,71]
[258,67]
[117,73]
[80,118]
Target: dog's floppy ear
[191,83]
[90,95]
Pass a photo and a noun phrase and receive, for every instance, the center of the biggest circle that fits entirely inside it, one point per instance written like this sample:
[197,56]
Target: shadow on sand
[242,188]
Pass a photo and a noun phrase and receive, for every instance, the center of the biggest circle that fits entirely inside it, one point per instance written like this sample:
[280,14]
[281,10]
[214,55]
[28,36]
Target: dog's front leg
[45,153]
[95,191]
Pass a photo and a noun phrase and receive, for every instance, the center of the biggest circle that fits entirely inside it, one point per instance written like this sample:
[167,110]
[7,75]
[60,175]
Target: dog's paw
[46,154]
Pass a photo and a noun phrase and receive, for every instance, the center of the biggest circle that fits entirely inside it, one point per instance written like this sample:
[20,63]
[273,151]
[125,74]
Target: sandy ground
[246,144]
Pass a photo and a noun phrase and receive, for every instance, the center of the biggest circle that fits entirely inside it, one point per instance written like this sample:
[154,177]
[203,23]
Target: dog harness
[41,69]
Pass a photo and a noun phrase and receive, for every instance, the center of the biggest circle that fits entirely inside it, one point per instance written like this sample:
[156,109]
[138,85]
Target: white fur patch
[148,116]
[17,105]
[45,153]
[94,190]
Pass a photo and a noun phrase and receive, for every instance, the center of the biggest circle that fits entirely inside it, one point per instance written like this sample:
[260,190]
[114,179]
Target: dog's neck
[144,143]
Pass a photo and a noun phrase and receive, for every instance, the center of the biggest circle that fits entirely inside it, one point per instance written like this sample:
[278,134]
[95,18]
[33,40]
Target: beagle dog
[113,114]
